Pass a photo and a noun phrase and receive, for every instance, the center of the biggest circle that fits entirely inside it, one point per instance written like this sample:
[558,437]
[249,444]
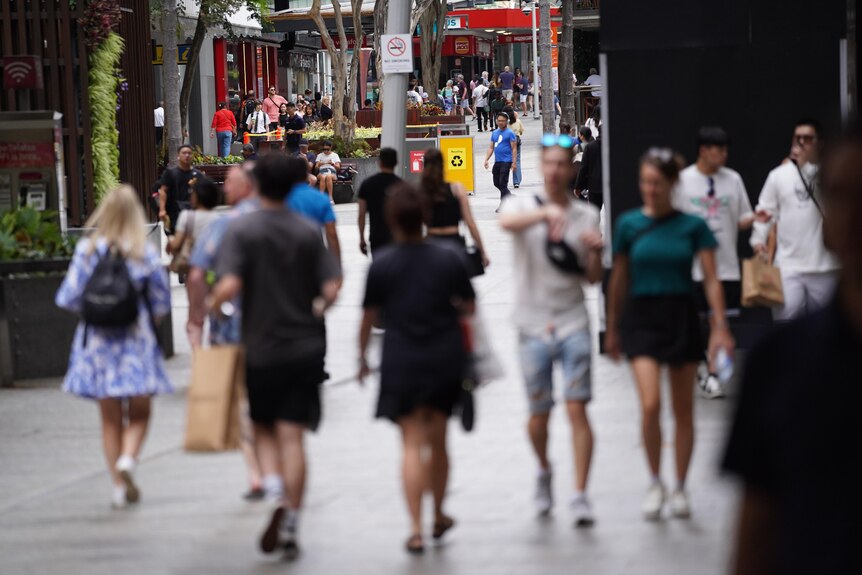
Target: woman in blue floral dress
[121,368]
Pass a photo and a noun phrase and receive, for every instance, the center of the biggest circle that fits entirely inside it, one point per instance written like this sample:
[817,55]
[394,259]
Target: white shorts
[523,98]
[804,293]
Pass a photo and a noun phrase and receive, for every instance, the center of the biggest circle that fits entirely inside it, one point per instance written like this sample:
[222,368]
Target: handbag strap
[652,226]
[808,189]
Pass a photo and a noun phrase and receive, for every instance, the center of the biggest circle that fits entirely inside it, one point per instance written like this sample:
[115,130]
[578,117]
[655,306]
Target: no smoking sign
[397,53]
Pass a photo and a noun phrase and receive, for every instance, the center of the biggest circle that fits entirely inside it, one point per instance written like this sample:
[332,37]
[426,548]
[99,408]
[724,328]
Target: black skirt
[665,328]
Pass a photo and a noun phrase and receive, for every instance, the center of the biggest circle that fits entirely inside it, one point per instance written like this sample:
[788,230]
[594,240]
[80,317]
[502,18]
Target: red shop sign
[26,154]
[351,41]
[22,73]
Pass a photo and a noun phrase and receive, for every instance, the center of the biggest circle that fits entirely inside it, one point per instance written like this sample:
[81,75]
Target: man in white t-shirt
[594,79]
[790,200]
[159,120]
[550,313]
[480,102]
[717,194]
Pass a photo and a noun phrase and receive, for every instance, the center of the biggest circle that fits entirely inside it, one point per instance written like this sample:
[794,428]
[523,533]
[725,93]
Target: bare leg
[412,470]
[290,443]
[582,440]
[647,374]
[266,449]
[248,452]
[330,180]
[436,431]
[321,180]
[537,428]
[139,421]
[112,434]
[682,399]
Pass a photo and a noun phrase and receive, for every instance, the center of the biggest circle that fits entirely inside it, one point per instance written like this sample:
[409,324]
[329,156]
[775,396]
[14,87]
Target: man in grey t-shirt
[288,279]
[551,317]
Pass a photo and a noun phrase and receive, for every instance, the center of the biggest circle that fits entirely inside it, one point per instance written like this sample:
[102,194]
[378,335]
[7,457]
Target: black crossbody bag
[808,189]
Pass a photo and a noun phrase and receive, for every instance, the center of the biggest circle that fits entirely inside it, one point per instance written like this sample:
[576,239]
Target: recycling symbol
[457,162]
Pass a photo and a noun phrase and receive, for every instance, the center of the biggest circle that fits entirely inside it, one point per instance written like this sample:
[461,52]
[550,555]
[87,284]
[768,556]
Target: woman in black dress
[424,292]
[325,111]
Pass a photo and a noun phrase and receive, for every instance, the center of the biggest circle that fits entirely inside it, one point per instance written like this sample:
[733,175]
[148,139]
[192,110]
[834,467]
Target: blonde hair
[120,221]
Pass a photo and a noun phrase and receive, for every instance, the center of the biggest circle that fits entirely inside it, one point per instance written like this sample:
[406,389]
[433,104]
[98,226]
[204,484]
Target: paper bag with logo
[218,377]
[761,283]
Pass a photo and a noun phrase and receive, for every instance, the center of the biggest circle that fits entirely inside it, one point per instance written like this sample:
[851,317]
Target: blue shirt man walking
[504,146]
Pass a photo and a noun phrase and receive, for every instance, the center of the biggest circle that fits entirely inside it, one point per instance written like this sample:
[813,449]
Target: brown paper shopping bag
[218,377]
[761,283]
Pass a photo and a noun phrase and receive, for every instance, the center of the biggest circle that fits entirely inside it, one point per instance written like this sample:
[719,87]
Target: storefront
[241,66]
[466,54]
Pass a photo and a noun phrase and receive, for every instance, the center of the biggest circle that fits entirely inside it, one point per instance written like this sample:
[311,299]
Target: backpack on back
[110,298]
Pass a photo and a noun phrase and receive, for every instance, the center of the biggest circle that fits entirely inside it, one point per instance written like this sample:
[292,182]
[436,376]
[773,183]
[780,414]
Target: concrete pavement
[54,490]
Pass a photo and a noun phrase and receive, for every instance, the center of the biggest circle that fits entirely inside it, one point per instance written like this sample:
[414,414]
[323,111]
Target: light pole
[532,11]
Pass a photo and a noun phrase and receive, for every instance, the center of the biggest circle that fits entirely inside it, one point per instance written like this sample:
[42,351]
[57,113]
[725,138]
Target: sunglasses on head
[564,141]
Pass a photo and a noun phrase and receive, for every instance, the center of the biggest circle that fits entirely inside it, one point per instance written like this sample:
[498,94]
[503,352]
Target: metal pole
[535,65]
[394,132]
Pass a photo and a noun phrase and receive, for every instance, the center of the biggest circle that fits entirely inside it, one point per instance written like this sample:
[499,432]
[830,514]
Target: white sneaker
[679,505]
[711,388]
[582,512]
[654,502]
[118,498]
[544,498]
[126,466]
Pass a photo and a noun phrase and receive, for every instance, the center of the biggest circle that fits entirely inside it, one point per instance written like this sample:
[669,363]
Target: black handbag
[475,266]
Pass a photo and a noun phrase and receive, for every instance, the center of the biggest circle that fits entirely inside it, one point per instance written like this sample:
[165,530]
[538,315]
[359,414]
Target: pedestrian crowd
[265,271]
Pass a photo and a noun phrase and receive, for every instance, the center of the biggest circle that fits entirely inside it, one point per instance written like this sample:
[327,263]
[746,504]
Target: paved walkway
[54,491]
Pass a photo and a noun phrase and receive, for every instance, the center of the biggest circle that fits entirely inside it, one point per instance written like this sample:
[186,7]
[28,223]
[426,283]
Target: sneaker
[544,498]
[254,494]
[517,186]
[711,388]
[118,498]
[679,505]
[654,502]
[582,512]
[126,466]
[287,536]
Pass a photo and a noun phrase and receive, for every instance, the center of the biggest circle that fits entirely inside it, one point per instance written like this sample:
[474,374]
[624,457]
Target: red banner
[26,154]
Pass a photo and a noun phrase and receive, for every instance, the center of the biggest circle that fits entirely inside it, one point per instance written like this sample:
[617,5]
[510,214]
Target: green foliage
[27,234]
[102,93]
[356,149]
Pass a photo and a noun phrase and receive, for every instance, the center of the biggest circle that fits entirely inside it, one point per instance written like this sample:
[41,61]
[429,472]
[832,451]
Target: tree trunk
[352,81]
[432,46]
[567,64]
[339,62]
[381,7]
[170,80]
[192,66]
[548,123]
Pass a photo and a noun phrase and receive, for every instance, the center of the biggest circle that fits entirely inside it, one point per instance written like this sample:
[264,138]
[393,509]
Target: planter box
[35,335]
[215,172]
[365,167]
[369,118]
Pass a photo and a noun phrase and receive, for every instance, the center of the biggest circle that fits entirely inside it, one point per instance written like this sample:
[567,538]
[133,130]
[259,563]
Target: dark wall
[676,65]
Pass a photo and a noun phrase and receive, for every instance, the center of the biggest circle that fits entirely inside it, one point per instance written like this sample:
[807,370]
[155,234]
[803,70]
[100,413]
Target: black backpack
[110,298]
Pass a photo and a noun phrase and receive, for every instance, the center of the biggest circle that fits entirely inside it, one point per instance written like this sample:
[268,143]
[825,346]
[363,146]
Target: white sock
[545,472]
[656,480]
[273,485]
[578,495]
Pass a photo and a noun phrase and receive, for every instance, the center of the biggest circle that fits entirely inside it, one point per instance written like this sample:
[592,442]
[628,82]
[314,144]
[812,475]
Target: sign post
[397,59]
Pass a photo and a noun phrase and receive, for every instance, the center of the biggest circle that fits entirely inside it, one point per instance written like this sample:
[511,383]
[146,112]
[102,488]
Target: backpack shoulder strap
[808,189]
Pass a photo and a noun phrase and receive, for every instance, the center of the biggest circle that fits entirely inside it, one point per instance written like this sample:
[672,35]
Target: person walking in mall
[518,128]
[120,367]
[294,128]
[710,190]
[790,199]
[504,148]
[257,123]
[424,292]
[223,128]
[271,106]
[550,312]
[288,279]
[159,120]
[653,319]
[372,201]
[175,188]
[589,184]
[448,206]
[481,105]
[507,80]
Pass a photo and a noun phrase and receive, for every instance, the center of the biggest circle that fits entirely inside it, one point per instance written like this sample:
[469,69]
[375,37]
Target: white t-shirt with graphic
[722,211]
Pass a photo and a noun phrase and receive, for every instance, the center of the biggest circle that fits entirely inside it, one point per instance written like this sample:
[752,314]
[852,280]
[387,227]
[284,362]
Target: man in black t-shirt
[795,440]
[372,197]
[294,128]
[175,187]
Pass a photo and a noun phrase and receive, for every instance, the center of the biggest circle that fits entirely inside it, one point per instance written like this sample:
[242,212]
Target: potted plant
[35,335]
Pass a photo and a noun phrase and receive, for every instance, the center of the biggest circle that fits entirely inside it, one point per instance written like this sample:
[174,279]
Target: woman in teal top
[653,318]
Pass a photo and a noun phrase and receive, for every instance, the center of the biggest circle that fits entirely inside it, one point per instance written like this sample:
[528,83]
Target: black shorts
[732,297]
[665,328]
[286,392]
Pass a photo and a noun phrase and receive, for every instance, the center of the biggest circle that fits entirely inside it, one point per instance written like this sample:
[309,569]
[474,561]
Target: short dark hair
[291,105]
[221,105]
[326,143]
[810,122]
[207,192]
[180,149]
[367,102]
[247,148]
[405,208]
[505,115]
[276,174]
[712,136]
[388,158]
[585,133]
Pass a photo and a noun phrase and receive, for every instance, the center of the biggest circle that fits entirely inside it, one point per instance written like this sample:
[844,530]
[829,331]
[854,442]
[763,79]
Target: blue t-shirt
[311,203]
[660,259]
[502,140]
[506,79]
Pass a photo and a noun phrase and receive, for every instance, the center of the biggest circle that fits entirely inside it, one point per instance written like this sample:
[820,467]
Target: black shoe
[291,551]
[269,539]
[517,186]
[254,494]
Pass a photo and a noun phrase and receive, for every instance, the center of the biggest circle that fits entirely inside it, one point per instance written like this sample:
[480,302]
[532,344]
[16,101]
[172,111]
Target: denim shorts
[574,354]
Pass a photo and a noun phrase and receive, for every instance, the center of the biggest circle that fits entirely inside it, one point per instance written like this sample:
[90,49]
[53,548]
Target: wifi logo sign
[22,72]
